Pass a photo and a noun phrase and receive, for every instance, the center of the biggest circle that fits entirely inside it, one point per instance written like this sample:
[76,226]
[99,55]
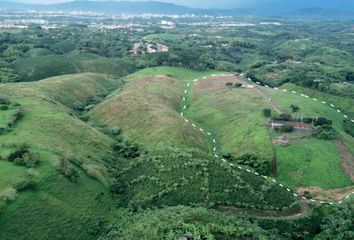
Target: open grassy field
[233,115]
[57,208]
[312,162]
[317,164]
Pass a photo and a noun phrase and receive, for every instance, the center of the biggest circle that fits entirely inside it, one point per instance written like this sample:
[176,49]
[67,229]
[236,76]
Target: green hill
[148,109]
[49,205]
[41,65]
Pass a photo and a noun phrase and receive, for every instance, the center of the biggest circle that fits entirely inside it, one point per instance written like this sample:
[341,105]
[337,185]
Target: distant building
[296,125]
[162,48]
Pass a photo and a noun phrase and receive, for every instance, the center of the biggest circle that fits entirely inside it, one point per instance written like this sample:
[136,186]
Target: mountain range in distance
[283,8]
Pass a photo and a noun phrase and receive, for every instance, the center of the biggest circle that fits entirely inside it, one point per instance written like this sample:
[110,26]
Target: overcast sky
[190,3]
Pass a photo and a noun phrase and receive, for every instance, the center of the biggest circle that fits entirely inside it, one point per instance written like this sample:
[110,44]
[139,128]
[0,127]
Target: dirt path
[337,194]
[348,159]
[270,102]
[267,214]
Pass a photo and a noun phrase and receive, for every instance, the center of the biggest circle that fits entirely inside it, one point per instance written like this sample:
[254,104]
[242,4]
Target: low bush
[23,157]
[260,165]
[116,131]
[127,149]
[5,101]
[67,170]
[8,194]
[294,108]
[78,106]
[348,127]
[4,107]
[325,132]
[283,117]
[320,121]
[238,85]
[26,184]
[93,171]
[307,120]
[267,112]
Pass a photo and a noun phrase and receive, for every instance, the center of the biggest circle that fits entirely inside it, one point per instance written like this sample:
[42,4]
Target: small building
[296,125]
[162,48]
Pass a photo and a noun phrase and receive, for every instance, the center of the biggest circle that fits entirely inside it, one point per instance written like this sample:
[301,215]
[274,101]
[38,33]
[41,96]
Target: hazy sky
[192,3]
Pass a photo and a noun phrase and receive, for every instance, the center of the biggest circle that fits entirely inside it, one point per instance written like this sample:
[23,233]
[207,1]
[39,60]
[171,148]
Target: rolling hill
[46,199]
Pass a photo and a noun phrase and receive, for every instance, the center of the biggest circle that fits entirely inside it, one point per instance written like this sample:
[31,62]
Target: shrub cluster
[267,112]
[16,116]
[26,184]
[348,127]
[235,85]
[67,170]
[127,149]
[254,161]
[325,132]
[8,195]
[22,156]
[283,117]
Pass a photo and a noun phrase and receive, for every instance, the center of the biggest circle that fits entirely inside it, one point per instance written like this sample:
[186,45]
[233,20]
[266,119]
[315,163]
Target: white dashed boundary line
[246,169]
[323,102]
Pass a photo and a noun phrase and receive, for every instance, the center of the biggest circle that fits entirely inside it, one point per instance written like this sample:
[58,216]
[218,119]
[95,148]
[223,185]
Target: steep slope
[54,201]
[148,111]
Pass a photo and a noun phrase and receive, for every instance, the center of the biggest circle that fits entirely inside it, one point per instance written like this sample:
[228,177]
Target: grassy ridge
[148,112]
[148,109]
[57,208]
[41,67]
[174,72]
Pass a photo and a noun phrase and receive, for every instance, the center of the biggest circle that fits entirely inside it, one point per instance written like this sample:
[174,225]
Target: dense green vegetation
[93,144]
[179,222]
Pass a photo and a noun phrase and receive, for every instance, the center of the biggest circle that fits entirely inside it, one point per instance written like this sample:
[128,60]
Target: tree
[322,121]
[325,132]
[350,77]
[294,108]
[339,224]
[67,170]
[267,112]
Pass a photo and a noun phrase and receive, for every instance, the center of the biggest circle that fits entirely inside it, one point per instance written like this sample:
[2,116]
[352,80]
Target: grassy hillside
[50,205]
[42,66]
[175,72]
[148,109]
[310,161]
[233,115]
